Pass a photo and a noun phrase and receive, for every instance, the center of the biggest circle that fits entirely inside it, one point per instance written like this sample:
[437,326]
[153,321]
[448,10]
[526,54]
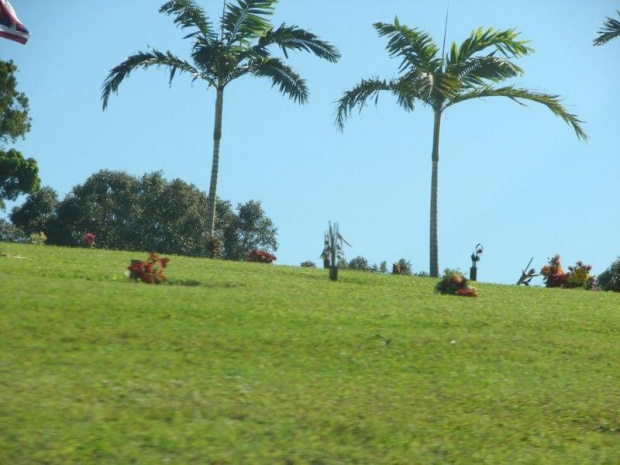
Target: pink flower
[89,239]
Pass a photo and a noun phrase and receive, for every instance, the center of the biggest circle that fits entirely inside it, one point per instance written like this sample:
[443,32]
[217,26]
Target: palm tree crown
[242,46]
[464,73]
[467,71]
[609,31]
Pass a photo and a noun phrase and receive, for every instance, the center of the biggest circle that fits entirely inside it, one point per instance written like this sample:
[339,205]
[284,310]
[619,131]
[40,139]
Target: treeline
[141,213]
[359,263]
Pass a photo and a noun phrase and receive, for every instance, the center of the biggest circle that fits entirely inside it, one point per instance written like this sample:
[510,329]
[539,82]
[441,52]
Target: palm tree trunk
[215,165]
[434,242]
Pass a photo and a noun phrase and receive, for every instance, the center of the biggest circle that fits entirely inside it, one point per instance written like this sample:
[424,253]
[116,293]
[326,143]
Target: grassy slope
[268,364]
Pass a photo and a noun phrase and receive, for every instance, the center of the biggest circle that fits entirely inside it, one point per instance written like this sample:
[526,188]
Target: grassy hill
[269,364]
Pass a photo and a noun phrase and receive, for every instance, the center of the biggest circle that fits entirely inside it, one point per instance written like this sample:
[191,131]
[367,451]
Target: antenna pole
[222,21]
[445,33]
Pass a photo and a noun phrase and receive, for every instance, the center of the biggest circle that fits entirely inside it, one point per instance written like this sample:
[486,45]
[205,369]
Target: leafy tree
[130,213]
[35,213]
[609,280]
[246,230]
[609,31]
[17,175]
[466,72]
[11,233]
[107,204]
[147,213]
[405,267]
[170,218]
[14,120]
[241,48]
[359,264]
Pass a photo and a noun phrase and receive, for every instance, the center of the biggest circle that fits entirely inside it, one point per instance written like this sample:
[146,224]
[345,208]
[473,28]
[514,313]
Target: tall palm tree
[466,72]
[242,47]
[609,31]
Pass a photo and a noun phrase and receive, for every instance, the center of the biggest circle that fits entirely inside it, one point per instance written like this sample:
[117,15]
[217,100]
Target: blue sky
[515,179]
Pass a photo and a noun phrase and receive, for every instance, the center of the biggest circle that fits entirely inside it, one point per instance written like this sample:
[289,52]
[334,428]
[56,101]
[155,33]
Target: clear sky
[515,179]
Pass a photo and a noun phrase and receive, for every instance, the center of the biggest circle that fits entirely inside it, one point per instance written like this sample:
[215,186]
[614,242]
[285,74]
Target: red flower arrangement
[260,256]
[454,283]
[577,276]
[150,271]
[89,240]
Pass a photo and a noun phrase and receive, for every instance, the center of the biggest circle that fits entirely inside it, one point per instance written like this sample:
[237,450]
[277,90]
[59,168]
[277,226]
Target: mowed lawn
[263,364]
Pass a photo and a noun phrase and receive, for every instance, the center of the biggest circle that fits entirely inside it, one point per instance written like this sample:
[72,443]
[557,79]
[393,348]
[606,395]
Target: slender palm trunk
[215,165]
[434,242]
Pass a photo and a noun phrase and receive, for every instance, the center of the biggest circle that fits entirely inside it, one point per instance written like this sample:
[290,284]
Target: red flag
[10,26]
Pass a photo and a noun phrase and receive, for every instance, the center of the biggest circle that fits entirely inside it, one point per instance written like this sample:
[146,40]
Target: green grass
[269,364]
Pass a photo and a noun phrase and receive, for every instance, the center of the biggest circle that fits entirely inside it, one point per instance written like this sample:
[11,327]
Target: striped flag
[10,26]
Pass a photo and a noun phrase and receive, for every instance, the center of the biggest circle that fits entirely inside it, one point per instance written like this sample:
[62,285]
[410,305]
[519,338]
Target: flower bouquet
[89,240]
[150,271]
[260,256]
[454,283]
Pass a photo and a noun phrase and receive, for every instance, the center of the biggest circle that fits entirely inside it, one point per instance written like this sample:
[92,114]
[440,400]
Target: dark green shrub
[34,214]
[244,231]
[405,267]
[147,213]
[11,233]
[358,264]
[609,280]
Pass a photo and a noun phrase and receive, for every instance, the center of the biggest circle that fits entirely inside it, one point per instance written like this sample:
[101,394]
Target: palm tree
[241,48]
[609,31]
[440,81]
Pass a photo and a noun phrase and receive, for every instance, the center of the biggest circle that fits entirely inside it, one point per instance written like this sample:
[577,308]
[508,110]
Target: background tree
[36,212]
[14,119]
[147,213]
[405,267]
[246,230]
[11,233]
[609,280]
[171,215]
[107,204]
[17,175]
[241,48]
[359,264]
[466,72]
[609,31]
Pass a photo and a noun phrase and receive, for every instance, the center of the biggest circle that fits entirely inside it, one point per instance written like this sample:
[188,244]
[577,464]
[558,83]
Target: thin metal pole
[445,34]
[222,21]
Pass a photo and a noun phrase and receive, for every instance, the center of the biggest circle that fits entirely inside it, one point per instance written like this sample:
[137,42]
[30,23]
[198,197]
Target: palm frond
[430,88]
[416,48]
[479,70]
[247,19]
[504,41]
[445,87]
[418,82]
[609,31]
[552,102]
[295,38]
[205,55]
[189,15]
[407,93]
[144,60]
[283,77]
[370,89]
